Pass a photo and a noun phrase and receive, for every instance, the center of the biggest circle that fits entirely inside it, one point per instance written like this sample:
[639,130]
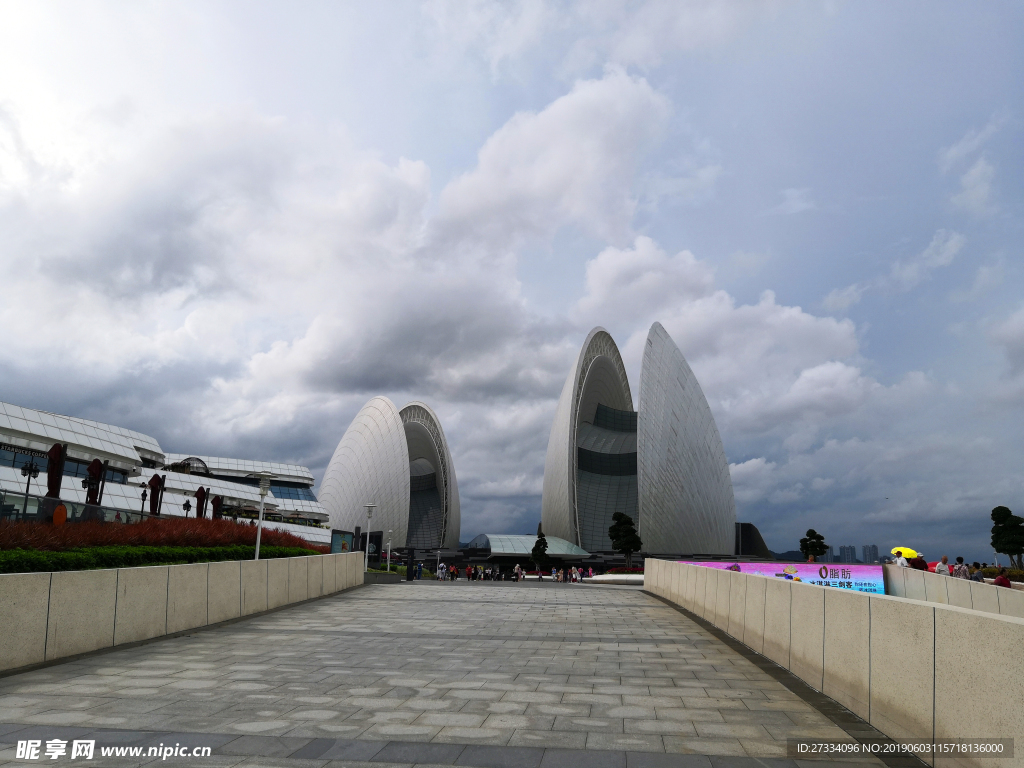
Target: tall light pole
[30,471]
[264,478]
[389,551]
[366,554]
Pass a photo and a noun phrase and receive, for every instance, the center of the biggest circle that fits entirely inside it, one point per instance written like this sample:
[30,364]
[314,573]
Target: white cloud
[574,162]
[905,274]
[622,284]
[752,480]
[971,142]
[908,274]
[499,30]
[975,195]
[841,299]
[795,201]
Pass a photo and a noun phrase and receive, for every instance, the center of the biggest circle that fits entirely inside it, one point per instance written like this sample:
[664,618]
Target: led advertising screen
[859,578]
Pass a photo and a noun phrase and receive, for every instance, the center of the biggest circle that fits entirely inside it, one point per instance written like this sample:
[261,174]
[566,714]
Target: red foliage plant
[168,532]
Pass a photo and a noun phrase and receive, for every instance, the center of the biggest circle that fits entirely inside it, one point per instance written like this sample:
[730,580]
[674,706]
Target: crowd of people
[572,575]
[957,570]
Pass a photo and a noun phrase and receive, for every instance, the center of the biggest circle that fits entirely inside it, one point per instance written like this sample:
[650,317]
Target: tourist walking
[901,561]
[978,575]
[960,570]
[942,567]
[1001,580]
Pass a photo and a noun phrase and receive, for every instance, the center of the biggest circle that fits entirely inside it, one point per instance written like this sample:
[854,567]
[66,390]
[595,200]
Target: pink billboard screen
[859,578]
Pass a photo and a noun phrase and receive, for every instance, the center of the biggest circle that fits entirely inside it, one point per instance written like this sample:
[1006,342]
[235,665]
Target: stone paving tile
[614,674]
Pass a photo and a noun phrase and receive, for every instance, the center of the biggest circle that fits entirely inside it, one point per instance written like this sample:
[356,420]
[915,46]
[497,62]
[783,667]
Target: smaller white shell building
[398,460]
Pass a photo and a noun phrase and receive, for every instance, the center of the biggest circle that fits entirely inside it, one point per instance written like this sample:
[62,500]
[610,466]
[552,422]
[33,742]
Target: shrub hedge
[32,561]
[156,532]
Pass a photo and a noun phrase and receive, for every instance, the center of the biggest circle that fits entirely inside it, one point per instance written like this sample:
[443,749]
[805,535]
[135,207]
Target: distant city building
[829,556]
[870,553]
[132,458]
[663,465]
[848,554]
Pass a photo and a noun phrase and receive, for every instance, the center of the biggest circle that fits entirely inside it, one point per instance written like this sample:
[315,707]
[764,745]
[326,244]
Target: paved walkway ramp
[473,674]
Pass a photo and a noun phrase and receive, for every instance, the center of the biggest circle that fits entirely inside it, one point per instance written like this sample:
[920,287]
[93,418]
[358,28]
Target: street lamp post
[187,506]
[389,551]
[31,472]
[264,478]
[366,554]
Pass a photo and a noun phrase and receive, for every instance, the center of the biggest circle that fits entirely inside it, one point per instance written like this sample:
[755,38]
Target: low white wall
[936,588]
[46,616]
[904,665]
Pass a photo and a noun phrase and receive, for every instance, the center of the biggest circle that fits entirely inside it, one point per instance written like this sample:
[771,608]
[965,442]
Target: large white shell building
[398,460]
[664,465]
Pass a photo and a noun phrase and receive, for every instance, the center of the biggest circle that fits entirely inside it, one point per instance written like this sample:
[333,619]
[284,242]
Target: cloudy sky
[228,225]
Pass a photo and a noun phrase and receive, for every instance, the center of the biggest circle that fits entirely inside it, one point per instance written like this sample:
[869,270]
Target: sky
[230,224]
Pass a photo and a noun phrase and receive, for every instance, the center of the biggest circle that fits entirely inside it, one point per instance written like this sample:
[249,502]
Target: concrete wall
[945,590]
[905,665]
[255,580]
[847,650]
[24,605]
[277,583]
[186,597]
[992,670]
[807,629]
[140,611]
[81,614]
[46,616]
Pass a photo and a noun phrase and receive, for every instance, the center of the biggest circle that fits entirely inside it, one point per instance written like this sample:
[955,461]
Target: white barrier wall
[912,668]
[936,588]
[45,616]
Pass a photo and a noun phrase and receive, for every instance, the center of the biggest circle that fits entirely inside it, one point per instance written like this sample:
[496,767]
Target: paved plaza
[426,673]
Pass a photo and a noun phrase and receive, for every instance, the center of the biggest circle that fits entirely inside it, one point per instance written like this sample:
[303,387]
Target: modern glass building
[132,458]
[399,461]
[663,464]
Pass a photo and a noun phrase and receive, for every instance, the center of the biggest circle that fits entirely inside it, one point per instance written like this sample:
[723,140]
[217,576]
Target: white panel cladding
[580,392]
[686,502]
[38,430]
[370,466]
[441,458]
[243,467]
[557,512]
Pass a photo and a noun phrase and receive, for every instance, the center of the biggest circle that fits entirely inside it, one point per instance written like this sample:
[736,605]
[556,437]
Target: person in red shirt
[1001,580]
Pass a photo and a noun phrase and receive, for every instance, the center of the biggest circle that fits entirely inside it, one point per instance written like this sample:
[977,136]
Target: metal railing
[21,507]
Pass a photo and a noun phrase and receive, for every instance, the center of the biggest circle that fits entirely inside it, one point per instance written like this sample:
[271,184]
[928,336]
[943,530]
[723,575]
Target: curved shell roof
[598,376]
[428,442]
[684,492]
[686,501]
[372,465]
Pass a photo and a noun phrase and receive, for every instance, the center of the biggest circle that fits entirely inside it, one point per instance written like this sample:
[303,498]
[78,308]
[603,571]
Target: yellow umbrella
[907,551]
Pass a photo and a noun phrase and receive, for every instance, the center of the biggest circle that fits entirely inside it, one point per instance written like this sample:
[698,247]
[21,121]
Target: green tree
[1008,535]
[813,544]
[539,555]
[625,539]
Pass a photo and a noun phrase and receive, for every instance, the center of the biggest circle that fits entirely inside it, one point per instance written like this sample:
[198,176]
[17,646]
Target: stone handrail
[48,616]
[912,669]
